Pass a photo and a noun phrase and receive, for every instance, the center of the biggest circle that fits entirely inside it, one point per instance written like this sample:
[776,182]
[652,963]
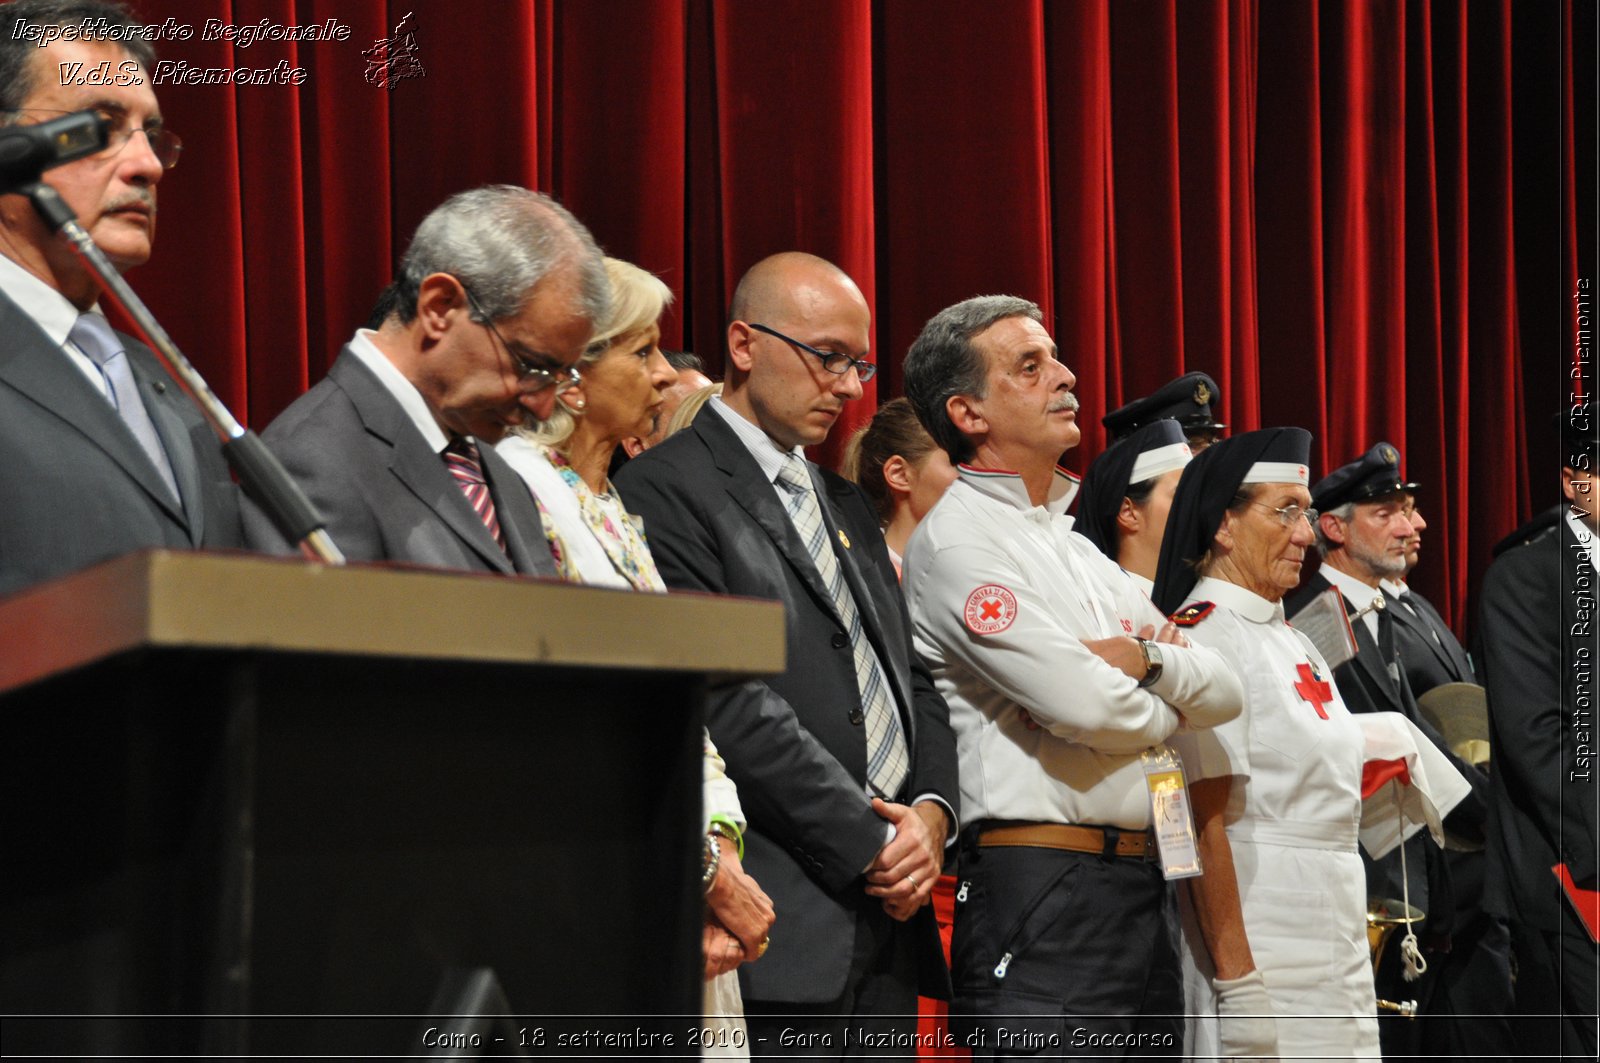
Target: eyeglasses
[528,371]
[1289,516]
[835,362]
[164,143]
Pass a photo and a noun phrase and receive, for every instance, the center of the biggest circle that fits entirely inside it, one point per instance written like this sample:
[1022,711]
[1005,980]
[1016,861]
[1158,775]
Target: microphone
[26,151]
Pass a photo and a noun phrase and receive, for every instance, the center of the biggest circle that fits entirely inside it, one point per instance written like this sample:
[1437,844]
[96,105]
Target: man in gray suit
[103,455]
[496,299]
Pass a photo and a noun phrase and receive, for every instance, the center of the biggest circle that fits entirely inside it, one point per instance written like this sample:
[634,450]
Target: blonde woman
[593,539]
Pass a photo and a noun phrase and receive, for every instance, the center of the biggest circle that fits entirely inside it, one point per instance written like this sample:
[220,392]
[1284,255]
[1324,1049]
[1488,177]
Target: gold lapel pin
[844,540]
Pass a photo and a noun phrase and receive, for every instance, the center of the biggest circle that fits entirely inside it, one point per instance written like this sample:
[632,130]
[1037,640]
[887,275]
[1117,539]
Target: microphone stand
[259,471]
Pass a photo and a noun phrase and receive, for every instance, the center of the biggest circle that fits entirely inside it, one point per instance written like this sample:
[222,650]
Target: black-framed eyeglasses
[528,370]
[835,362]
[1291,515]
[164,143]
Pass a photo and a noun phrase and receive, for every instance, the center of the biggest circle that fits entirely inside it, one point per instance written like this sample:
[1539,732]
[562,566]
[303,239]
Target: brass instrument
[1384,917]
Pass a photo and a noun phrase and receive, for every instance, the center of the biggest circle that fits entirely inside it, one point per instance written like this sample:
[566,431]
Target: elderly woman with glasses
[593,539]
[1275,929]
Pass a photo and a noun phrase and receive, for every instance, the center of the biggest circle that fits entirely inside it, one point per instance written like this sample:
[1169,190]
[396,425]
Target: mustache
[1067,401]
[145,197]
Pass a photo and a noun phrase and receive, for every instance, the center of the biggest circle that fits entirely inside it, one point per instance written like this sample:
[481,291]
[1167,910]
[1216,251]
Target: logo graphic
[391,60]
[990,610]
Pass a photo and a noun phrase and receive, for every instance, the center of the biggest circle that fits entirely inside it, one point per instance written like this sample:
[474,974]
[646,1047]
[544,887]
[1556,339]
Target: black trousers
[875,1016]
[1556,990]
[1063,954]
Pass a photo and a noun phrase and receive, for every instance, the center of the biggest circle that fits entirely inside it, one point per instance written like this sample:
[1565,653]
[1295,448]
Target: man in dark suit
[1537,652]
[1364,534]
[845,763]
[103,454]
[496,298]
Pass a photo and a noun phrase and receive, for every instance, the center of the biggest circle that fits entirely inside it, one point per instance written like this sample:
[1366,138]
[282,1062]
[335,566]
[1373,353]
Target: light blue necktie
[887,758]
[93,336]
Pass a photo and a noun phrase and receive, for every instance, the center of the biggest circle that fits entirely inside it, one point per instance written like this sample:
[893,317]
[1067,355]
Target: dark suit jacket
[1428,662]
[715,524]
[386,496]
[77,488]
[1537,617]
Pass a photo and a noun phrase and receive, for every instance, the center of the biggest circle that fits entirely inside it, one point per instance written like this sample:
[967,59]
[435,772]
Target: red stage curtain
[1367,217]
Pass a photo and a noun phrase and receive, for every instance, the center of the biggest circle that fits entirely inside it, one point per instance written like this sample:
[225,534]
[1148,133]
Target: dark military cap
[1373,475]
[1186,400]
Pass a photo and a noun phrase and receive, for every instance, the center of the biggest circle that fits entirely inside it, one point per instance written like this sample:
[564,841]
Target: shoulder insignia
[1192,614]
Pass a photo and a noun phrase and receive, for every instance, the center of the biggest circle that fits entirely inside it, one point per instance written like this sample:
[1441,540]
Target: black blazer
[386,496]
[714,523]
[1429,662]
[1537,617]
[77,488]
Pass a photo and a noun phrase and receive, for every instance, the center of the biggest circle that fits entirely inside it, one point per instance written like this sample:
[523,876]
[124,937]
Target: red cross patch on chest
[1317,691]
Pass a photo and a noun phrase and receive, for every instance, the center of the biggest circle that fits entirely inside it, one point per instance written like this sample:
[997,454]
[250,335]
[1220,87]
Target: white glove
[1244,1018]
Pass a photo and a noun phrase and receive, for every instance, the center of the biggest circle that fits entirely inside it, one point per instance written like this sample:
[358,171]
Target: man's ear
[1129,517]
[632,446]
[439,296]
[739,354]
[964,413]
[1332,528]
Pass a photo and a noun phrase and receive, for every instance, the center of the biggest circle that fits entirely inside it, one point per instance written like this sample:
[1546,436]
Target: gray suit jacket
[386,496]
[77,488]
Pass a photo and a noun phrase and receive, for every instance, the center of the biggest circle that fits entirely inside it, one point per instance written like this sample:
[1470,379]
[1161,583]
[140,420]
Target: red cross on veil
[1317,691]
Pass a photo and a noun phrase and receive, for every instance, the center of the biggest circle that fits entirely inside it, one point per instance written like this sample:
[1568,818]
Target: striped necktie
[93,335]
[461,457]
[888,761]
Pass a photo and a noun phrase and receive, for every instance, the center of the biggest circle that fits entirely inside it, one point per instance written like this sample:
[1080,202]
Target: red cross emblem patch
[990,610]
[1313,688]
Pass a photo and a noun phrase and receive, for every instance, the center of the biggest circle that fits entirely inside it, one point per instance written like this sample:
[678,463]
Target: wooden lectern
[239,787]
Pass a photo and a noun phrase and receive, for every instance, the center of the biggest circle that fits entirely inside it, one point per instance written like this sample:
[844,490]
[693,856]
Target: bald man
[845,763]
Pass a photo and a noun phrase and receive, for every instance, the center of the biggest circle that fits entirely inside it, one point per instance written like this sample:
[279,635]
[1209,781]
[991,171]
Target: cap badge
[1388,454]
[1202,394]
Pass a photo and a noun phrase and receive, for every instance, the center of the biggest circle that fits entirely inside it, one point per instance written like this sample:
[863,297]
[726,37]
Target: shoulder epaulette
[1192,614]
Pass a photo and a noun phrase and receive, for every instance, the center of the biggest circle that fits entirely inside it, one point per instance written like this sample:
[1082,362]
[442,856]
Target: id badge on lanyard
[1171,818]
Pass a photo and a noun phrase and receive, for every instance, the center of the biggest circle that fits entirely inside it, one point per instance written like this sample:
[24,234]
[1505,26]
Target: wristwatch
[1152,661]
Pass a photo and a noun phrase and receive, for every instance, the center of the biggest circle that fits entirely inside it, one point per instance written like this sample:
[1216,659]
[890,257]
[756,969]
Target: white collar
[50,310]
[1006,486]
[1247,604]
[769,456]
[1394,588]
[1359,594]
[403,390]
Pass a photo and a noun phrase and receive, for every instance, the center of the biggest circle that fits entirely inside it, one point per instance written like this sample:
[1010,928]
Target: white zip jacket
[1002,594]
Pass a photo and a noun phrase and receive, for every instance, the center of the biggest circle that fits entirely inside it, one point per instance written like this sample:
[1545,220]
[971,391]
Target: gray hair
[1344,513]
[499,241]
[943,362]
[17,19]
